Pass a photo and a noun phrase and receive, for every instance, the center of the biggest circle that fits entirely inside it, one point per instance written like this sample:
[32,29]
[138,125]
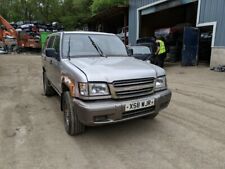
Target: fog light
[100,118]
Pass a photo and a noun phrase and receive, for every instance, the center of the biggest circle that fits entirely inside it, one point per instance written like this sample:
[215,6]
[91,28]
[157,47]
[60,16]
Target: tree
[99,5]
[70,13]
[75,13]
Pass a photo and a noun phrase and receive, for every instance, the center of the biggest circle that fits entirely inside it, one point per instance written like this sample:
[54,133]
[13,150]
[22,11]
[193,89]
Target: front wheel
[71,122]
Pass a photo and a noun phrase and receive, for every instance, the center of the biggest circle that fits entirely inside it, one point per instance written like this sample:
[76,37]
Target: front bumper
[112,111]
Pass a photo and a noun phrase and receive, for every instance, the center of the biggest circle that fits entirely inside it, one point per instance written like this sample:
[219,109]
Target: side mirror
[130,52]
[51,52]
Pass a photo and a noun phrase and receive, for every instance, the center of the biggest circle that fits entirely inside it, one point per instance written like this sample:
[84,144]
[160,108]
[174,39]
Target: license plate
[139,105]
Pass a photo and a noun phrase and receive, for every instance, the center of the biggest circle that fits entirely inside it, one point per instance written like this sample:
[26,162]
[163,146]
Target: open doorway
[168,18]
[205,44]
[171,23]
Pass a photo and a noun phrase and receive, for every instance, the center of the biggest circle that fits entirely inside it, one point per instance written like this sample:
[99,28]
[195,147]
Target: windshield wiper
[97,47]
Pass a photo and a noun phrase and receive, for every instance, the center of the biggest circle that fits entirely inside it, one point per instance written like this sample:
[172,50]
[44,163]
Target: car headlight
[160,83]
[94,89]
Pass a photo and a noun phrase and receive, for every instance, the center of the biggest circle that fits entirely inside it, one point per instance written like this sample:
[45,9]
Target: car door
[49,59]
[56,64]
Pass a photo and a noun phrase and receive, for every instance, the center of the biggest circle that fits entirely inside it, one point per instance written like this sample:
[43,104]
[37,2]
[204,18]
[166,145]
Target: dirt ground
[189,134]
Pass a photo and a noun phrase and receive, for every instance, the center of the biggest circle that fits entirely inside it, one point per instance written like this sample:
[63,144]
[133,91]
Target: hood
[109,69]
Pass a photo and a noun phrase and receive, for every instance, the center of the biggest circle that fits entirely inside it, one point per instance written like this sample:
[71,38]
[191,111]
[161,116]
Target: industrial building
[206,17]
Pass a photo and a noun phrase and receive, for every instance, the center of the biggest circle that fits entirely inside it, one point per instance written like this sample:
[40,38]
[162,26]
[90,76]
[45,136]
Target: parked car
[149,42]
[98,82]
[142,53]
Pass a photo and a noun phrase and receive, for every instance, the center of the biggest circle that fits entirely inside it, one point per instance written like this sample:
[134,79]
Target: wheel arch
[65,88]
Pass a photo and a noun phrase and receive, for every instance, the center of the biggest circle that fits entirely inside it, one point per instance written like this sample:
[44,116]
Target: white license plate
[139,105]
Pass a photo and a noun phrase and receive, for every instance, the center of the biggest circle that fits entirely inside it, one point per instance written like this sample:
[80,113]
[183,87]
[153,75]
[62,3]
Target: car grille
[132,88]
[135,113]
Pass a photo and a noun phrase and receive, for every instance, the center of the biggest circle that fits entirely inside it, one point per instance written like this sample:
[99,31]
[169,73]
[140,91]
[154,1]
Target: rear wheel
[48,89]
[71,122]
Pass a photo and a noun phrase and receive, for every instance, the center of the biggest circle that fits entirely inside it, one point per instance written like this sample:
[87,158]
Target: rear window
[140,50]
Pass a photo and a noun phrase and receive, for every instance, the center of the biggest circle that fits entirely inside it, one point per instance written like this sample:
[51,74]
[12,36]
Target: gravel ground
[189,134]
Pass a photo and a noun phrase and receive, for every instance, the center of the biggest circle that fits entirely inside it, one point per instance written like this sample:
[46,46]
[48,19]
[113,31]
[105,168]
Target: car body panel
[114,110]
[109,69]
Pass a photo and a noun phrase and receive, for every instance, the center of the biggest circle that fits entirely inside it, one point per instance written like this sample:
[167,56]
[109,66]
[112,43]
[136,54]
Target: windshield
[81,45]
[140,50]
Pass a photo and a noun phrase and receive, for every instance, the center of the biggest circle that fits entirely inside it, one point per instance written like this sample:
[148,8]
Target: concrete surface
[218,56]
[190,134]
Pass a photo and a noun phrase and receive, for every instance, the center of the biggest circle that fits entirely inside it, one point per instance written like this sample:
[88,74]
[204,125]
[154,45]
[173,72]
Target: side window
[46,43]
[56,45]
[50,42]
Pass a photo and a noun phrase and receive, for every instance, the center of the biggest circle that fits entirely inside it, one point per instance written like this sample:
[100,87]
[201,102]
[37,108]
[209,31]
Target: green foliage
[99,5]
[70,13]
[75,13]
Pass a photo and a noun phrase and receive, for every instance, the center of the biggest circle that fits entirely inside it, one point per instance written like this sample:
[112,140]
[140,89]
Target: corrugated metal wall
[210,11]
[134,5]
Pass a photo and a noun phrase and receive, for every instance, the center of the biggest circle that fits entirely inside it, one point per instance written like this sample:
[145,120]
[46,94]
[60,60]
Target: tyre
[48,89]
[71,122]
[151,116]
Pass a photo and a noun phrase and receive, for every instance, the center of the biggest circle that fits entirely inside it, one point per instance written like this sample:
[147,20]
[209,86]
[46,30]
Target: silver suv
[98,82]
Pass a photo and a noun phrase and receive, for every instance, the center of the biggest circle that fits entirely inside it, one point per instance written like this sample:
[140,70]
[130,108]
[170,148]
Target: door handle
[50,61]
